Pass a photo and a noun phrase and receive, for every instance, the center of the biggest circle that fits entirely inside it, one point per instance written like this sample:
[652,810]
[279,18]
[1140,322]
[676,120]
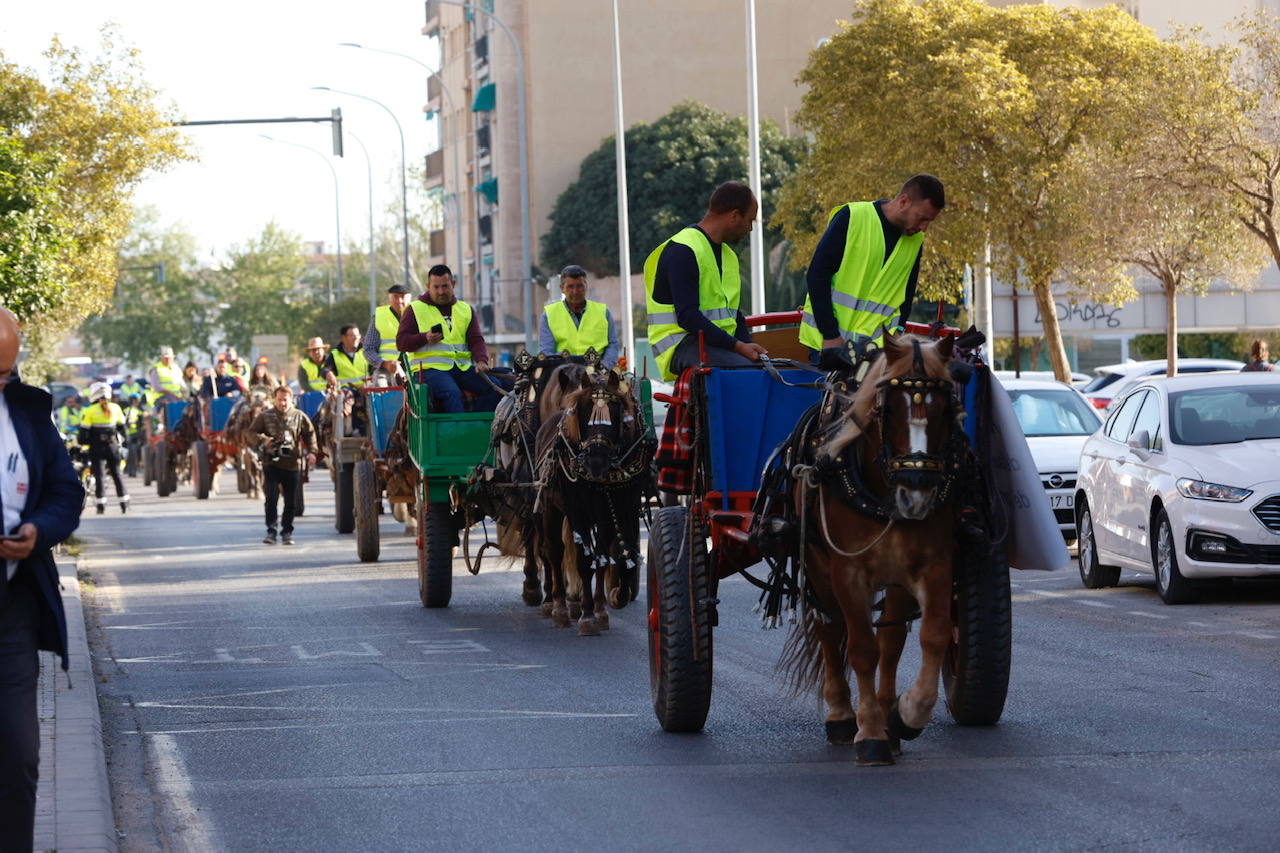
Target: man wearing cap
[693,288]
[446,349]
[575,323]
[166,376]
[40,501]
[311,370]
[380,338]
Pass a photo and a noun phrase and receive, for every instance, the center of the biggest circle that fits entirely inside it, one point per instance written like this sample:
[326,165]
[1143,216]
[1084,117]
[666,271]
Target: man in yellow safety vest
[693,288]
[346,364]
[166,377]
[380,338]
[446,350]
[576,324]
[863,275]
[311,370]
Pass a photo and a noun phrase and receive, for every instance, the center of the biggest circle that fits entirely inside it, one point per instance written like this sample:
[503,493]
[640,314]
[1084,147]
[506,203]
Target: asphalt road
[272,698]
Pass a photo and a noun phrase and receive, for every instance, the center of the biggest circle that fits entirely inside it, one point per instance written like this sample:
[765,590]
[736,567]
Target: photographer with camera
[285,438]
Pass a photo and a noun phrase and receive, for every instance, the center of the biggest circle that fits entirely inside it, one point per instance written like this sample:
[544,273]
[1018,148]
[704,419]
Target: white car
[1056,420]
[1183,481]
[1112,381]
[1077,379]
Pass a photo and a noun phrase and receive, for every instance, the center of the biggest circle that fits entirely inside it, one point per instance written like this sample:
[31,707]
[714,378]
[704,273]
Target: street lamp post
[522,134]
[373,264]
[337,205]
[624,229]
[753,164]
[404,165]
[457,153]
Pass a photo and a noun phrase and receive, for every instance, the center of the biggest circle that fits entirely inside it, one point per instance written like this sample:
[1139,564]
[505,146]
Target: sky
[237,59]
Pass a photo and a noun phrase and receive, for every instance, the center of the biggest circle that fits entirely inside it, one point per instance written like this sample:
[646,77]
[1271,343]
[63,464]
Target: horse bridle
[624,466]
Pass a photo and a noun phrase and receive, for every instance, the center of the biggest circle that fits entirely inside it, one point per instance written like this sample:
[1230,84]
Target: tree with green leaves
[1254,172]
[33,233]
[673,165]
[159,300]
[258,289]
[106,129]
[1008,106]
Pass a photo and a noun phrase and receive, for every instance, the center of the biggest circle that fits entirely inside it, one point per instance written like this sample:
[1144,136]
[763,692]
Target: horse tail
[801,661]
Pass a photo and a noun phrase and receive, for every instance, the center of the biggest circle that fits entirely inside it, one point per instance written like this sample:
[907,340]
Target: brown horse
[595,465]
[880,508]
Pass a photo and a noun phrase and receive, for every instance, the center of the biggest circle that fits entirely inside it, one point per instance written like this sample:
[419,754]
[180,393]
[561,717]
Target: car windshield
[1225,415]
[1052,411]
[1102,380]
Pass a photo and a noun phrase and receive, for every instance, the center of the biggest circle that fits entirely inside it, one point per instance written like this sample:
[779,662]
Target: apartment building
[1165,16]
[671,50]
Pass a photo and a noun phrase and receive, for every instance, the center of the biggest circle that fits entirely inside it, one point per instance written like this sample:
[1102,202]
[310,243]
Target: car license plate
[1062,501]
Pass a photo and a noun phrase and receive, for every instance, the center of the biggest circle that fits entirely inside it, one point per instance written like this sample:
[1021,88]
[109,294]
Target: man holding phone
[40,501]
[446,349]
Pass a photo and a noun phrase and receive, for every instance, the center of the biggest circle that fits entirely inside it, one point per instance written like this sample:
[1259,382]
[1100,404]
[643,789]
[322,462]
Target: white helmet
[98,390]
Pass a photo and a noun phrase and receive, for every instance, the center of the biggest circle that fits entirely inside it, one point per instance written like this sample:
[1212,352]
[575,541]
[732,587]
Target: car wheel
[1172,586]
[1093,574]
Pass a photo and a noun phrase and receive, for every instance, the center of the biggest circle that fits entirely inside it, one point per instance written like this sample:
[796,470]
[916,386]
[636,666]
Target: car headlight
[1200,490]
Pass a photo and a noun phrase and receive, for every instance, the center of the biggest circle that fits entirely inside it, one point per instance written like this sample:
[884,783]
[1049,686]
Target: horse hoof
[898,730]
[602,619]
[532,595]
[588,627]
[575,610]
[560,618]
[873,753]
[547,607]
[842,731]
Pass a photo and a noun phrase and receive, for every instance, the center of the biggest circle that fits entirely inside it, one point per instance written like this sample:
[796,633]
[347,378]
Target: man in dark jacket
[285,438]
[40,500]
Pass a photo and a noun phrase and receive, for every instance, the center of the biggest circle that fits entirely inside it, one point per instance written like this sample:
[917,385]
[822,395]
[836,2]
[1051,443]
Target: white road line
[401,721]
[190,829]
[1258,635]
[1147,615]
[1089,603]
[1047,593]
[1200,624]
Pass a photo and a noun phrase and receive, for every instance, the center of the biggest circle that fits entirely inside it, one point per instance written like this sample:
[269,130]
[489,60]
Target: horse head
[914,414]
[601,418]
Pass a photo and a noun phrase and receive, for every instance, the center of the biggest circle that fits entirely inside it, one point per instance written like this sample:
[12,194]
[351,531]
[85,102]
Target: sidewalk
[73,803]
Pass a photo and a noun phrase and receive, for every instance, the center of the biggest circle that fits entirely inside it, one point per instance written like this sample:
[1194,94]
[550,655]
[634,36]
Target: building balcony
[436,243]
[434,93]
[434,168]
[484,226]
[484,139]
[432,25]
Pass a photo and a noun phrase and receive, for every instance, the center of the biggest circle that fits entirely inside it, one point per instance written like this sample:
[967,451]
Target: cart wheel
[679,624]
[148,464]
[344,499]
[367,498]
[435,554]
[200,473]
[975,672]
[242,478]
[162,470]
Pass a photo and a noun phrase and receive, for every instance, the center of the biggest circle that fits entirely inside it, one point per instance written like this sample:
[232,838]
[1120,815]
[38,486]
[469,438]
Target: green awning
[489,189]
[486,98]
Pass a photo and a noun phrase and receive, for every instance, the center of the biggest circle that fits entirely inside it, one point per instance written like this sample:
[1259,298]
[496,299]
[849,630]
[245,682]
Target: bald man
[40,500]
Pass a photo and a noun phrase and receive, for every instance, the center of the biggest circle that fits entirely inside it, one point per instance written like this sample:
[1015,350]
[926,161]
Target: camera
[282,450]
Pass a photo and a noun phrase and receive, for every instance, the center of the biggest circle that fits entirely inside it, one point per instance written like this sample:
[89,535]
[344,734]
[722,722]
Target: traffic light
[336,123]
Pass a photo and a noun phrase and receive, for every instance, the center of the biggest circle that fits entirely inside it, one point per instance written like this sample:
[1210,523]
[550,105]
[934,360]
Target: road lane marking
[1047,593]
[442,647]
[192,830]
[1200,624]
[366,651]
[400,721]
[1089,603]
[1258,635]
[1147,615]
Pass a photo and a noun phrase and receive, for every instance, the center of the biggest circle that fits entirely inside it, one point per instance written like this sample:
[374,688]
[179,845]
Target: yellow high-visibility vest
[450,352]
[719,292]
[315,379]
[576,338]
[351,369]
[387,324]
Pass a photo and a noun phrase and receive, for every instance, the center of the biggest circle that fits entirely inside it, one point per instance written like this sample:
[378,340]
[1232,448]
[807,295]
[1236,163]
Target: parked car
[1183,481]
[1111,381]
[1077,379]
[60,391]
[1056,420]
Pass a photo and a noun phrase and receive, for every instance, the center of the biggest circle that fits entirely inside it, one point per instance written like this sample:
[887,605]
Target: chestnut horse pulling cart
[729,422]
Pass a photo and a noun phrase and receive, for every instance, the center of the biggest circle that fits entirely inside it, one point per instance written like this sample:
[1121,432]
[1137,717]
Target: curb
[73,803]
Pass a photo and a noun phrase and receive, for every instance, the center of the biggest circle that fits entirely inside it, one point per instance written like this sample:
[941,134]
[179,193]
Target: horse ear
[613,380]
[946,346]
[562,377]
[587,382]
[893,348]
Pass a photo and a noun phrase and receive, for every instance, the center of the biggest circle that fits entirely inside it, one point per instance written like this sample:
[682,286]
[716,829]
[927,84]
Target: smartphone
[10,537]
[438,329]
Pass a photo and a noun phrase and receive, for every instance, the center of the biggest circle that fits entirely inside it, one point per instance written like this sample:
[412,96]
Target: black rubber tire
[1093,574]
[1175,589]
[201,473]
[975,670]
[436,535]
[162,470]
[301,497]
[242,478]
[148,464]
[678,591]
[344,503]
[367,499]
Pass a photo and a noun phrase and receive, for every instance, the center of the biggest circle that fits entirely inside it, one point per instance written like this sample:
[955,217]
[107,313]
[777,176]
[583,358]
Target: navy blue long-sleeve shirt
[826,261]
[676,283]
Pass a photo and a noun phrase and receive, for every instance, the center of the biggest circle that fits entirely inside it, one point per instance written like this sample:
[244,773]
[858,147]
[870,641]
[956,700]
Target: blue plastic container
[749,414]
[383,407]
[309,402]
[219,411]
